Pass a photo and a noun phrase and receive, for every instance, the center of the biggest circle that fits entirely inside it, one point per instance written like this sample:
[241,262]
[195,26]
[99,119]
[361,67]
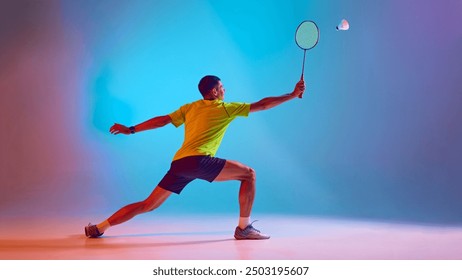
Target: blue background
[377,135]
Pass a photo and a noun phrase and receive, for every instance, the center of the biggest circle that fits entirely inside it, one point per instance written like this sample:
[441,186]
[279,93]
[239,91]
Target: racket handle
[301,79]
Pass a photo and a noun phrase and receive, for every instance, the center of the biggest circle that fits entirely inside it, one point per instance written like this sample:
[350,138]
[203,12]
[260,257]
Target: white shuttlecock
[343,25]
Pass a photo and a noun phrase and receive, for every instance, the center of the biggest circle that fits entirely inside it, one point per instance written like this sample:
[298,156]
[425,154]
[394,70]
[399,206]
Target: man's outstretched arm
[270,102]
[155,122]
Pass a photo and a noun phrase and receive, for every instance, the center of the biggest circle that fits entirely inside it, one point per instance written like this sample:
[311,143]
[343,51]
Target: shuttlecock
[343,25]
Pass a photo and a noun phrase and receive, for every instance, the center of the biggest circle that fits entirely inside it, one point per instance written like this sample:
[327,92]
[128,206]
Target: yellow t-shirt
[205,123]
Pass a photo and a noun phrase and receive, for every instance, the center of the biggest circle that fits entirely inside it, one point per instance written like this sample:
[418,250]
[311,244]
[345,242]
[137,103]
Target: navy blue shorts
[185,170]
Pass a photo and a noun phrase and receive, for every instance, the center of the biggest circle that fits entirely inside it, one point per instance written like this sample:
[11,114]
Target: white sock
[103,226]
[244,222]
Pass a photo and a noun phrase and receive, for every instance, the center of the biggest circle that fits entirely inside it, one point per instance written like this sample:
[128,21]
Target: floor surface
[210,237]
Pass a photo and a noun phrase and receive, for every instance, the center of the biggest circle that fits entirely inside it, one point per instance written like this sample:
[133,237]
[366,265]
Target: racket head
[307,35]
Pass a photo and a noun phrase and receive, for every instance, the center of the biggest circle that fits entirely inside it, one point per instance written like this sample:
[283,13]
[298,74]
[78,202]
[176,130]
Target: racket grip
[301,79]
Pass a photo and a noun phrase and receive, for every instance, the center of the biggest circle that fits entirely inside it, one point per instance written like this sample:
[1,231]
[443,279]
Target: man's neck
[210,98]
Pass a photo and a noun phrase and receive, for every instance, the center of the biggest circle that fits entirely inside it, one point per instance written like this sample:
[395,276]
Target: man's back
[205,123]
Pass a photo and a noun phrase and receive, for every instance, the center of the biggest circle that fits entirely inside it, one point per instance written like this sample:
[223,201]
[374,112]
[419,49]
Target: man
[206,121]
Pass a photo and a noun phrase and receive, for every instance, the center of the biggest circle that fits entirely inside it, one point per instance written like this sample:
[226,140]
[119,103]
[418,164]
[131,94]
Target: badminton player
[205,122]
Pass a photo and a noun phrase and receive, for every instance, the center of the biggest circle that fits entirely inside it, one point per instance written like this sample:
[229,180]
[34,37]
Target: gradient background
[378,134]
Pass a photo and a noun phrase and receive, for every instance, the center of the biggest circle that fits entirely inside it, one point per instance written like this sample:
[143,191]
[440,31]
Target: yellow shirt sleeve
[237,109]
[178,117]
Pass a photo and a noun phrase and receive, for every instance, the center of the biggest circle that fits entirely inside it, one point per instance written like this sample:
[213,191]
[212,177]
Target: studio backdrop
[377,135]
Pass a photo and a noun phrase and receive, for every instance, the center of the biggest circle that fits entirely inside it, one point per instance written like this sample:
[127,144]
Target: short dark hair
[207,83]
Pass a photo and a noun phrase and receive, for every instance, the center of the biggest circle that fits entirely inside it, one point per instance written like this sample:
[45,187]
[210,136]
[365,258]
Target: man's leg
[154,200]
[234,170]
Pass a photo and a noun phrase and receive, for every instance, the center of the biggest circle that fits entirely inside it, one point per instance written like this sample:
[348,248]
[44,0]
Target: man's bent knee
[247,174]
[251,174]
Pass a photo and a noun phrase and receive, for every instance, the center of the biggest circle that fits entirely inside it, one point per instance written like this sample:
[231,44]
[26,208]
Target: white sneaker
[249,233]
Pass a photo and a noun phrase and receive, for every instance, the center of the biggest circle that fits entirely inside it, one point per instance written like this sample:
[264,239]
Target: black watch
[132,129]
